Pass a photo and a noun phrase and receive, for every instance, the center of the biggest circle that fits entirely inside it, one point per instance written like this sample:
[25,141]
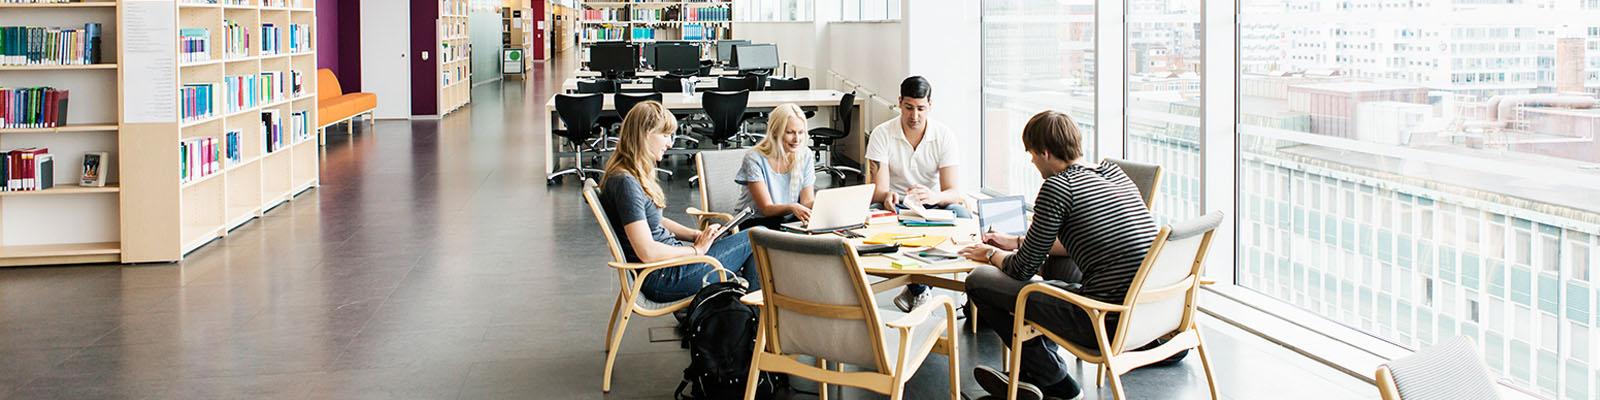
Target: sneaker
[997,383]
[1067,389]
[907,301]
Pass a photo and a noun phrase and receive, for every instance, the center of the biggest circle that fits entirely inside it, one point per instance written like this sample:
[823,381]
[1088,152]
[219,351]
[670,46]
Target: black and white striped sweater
[1101,221]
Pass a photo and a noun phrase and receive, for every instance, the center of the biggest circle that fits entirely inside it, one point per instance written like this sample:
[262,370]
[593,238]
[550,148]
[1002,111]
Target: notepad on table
[906,239]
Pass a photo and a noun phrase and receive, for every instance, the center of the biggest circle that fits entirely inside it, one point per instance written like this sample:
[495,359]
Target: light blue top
[756,168]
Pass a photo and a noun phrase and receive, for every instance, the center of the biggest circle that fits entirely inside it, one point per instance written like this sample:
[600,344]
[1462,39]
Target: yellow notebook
[906,239]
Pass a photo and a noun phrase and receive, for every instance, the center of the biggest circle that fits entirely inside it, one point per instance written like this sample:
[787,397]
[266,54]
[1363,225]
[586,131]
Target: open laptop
[835,209]
[1004,214]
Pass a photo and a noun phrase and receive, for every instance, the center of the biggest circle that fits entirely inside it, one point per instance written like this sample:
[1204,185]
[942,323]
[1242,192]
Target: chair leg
[822,387]
[755,362]
[611,323]
[322,136]
[611,351]
[1100,376]
[1116,384]
[1205,364]
[1014,359]
[954,357]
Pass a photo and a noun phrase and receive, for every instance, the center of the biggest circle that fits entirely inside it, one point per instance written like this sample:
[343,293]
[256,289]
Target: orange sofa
[334,105]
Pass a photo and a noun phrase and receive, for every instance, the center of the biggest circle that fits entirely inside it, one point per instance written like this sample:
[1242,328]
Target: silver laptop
[835,209]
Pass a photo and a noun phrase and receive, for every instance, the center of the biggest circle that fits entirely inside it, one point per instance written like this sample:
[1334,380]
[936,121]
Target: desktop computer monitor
[725,50]
[613,60]
[678,58]
[754,57]
[650,50]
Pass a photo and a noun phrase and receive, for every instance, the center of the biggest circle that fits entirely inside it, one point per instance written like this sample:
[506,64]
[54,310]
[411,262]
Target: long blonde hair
[771,146]
[632,156]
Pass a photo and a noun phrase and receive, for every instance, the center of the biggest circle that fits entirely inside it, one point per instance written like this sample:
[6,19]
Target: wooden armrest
[671,262]
[1207,281]
[920,314]
[1070,297]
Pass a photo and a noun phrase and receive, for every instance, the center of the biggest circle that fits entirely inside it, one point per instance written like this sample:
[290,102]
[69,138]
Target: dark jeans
[993,291]
[961,212]
[680,282]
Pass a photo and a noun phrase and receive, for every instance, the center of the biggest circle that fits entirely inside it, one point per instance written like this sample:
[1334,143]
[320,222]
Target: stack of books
[27,169]
[194,44]
[235,39]
[198,158]
[199,100]
[269,39]
[272,130]
[299,38]
[37,107]
[271,89]
[32,45]
[241,92]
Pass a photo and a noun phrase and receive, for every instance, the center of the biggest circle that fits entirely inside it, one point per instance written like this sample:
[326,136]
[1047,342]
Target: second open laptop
[836,209]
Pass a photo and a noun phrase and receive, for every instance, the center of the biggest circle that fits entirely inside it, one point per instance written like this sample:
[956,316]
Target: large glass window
[1467,129]
[773,10]
[1037,55]
[1163,103]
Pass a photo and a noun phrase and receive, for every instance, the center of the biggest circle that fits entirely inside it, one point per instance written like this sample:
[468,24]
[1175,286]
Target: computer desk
[702,83]
[643,73]
[759,101]
[949,275]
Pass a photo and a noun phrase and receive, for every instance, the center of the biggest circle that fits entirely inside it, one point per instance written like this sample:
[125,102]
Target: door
[385,64]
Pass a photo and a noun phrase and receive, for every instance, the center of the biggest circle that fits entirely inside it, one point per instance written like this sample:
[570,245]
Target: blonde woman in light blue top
[778,174]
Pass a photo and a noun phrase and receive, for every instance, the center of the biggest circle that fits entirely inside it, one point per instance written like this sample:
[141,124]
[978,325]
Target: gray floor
[432,263]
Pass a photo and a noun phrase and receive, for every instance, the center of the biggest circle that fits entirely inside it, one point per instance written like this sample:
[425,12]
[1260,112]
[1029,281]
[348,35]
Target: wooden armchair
[1160,304]
[718,193]
[630,280]
[815,301]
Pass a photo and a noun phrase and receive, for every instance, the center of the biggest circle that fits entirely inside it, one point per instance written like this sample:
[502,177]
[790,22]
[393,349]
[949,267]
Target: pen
[905,237]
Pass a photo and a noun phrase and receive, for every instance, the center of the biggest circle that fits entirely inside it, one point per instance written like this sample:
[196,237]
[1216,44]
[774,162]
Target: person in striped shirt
[1091,212]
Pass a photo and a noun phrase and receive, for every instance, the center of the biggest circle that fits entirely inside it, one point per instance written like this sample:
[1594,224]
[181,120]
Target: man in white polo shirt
[914,160]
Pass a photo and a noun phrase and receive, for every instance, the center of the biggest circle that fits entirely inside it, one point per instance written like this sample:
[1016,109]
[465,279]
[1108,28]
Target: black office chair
[667,84]
[824,137]
[732,83]
[599,86]
[789,83]
[726,111]
[580,113]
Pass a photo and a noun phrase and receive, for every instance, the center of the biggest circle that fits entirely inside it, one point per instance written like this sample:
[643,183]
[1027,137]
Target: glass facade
[1037,55]
[1415,170]
[1163,103]
[1410,169]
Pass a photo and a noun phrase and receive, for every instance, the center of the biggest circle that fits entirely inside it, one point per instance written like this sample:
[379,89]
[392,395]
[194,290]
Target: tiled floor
[432,263]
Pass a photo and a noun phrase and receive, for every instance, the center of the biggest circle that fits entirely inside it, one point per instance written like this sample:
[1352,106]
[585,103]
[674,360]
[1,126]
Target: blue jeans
[684,281]
[961,212]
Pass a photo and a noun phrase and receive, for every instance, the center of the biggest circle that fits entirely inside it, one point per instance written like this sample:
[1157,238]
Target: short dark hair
[916,87]
[1054,134]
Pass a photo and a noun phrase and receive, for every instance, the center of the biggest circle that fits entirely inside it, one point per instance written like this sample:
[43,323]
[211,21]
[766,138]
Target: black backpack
[721,332]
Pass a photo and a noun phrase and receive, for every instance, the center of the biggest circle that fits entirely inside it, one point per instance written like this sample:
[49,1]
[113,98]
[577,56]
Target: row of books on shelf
[238,92]
[194,44]
[273,40]
[679,13]
[37,45]
[597,33]
[603,14]
[273,129]
[36,107]
[198,158]
[27,169]
[198,101]
[235,39]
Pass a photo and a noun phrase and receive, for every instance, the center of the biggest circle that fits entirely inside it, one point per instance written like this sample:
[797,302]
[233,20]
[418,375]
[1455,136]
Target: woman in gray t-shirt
[632,201]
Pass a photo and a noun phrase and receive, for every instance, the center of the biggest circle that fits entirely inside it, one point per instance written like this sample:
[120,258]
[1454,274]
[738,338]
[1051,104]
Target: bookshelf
[455,56]
[66,224]
[241,167]
[644,21]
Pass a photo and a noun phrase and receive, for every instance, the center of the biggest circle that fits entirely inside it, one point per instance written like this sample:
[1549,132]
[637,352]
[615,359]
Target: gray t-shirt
[625,202]
[780,188]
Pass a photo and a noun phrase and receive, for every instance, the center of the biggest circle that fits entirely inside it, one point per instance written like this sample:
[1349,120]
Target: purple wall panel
[339,40]
[424,38]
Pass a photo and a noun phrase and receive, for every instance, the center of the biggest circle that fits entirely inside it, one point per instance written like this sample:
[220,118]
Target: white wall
[943,45]
[797,41]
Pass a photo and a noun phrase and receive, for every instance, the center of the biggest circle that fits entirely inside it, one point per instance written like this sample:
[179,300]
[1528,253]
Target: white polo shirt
[888,146]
